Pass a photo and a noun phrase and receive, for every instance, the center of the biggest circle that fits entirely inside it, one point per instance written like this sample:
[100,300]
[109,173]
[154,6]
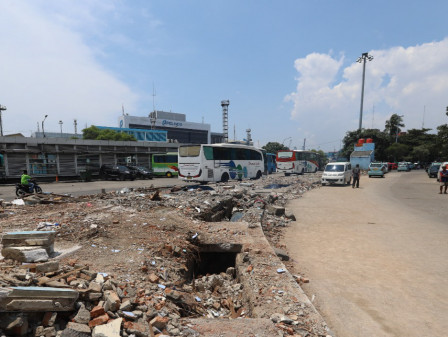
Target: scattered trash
[161,286]
[198,299]
[18,202]
[236,216]
[281,270]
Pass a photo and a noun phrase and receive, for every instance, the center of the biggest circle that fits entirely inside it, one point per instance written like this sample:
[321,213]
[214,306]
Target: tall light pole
[2,108]
[43,130]
[60,123]
[363,58]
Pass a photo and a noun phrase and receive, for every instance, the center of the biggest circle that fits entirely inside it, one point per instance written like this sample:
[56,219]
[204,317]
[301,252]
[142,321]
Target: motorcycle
[22,190]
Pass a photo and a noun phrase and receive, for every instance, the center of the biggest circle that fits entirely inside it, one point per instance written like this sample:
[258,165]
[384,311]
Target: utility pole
[2,108]
[75,124]
[362,59]
[60,124]
[304,141]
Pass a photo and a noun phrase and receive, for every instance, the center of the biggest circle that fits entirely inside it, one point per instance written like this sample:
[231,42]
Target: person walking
[443,179]
[356,173]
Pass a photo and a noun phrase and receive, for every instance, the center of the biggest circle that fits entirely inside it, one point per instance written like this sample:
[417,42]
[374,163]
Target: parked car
[392,166]
[433,170]
[403,167]
[141,172]
[337,173]
[376,170]
[120,172]
[445,163]
[386,167]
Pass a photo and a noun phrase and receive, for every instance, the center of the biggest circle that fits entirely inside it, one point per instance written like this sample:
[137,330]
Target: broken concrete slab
[30,299]
[111,329]
[25,254]
[28,238]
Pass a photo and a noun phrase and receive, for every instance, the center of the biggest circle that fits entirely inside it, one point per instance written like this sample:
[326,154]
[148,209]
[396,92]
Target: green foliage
[397,152]
[393,125]
[274,147]
[442,142]
[105,134]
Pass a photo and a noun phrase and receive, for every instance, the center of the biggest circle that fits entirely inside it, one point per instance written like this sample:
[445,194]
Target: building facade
[178,129]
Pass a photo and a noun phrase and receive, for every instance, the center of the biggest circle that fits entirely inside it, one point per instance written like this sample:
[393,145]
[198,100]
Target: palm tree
[393,125]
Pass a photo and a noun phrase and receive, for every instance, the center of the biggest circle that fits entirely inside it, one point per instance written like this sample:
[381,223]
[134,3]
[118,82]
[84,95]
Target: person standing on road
[443,179]
[356,173]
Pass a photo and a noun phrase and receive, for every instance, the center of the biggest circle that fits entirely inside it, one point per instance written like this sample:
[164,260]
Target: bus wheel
[258,176]
[169,174]
[315,170]
[224,178]
[303,171]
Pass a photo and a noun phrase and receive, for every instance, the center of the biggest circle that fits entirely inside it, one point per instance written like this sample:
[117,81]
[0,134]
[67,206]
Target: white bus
[219,162]
[289,162]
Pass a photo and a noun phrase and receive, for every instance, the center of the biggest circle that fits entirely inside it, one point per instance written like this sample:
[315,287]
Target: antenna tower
[225,119]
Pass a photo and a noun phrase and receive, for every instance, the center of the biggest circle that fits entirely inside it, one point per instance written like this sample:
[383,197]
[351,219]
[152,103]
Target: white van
[337,173]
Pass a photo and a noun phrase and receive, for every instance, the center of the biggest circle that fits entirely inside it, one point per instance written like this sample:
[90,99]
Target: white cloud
[399,80]
[47,69]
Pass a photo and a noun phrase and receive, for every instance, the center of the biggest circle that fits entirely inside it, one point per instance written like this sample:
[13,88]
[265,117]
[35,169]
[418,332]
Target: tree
[442,142]
[393,125]
[274,147]
[397,152]
[105,134]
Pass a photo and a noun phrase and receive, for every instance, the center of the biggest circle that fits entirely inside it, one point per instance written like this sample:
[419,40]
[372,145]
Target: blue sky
[288,67]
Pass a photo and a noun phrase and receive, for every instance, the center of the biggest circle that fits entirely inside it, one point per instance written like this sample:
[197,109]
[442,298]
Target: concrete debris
[158,262]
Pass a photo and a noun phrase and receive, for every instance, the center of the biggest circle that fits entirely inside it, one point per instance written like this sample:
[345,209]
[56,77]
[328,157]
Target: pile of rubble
[149,246]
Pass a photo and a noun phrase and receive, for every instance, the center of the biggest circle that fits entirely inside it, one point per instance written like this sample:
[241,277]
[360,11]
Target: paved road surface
[377,256]
[7,192]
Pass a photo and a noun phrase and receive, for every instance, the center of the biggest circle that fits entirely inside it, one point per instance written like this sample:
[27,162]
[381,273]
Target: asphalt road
[7,192]
[377,256]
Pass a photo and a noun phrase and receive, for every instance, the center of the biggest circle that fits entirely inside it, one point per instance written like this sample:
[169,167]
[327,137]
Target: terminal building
[178,129]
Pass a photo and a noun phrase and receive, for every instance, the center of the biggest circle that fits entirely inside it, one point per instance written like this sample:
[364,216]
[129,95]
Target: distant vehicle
[445,163]
[433,170]
[290,162]
[120,172]
[392,166]
[271,162]
[220,162]
[165,164]
[337,173]
[313,161]
[141,172]
[386,167]
[376,170]
[403,167]
[22,190]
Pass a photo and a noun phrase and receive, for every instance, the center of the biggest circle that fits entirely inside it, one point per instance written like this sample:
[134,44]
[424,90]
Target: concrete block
[25,254]
[275,210]
[111,329]
[29,299]
[47,267]
[28,238]
[82,328]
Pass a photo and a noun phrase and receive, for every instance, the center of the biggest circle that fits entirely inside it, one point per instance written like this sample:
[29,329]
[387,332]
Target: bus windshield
[190,151]
[285,154]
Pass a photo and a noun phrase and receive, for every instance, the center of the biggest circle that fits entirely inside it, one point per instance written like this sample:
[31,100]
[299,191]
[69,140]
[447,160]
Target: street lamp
[43,130]
[60,123]
[2,108]
[363,58]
